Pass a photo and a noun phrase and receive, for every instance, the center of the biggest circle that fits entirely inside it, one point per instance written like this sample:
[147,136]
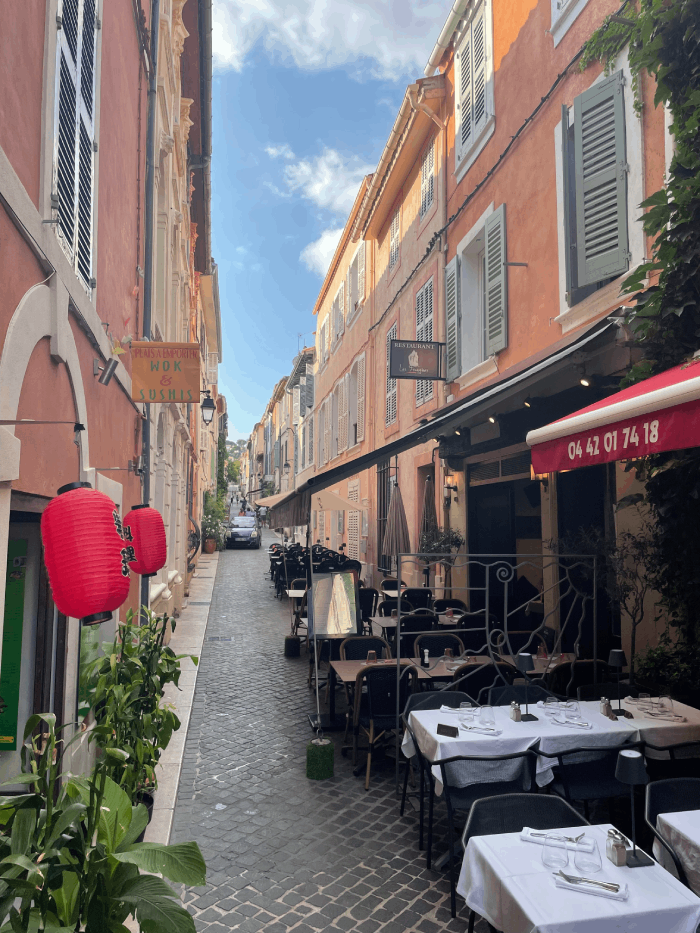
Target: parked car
[243,531]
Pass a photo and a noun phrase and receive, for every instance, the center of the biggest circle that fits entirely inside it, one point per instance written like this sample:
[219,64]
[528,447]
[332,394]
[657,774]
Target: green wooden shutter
[565,157]
[601,182]
[496,284]
[453,314]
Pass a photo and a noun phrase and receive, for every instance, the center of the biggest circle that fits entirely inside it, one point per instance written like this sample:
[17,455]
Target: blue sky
[305,95]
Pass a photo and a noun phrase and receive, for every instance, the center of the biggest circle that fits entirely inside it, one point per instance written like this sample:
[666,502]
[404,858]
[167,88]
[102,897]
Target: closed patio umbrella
[429,521]
[396,540]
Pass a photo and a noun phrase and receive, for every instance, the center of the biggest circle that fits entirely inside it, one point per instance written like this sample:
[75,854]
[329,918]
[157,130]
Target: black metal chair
[480,678]
[390,603]
[416,702]
[369,598]
[420,596]
[609,690]
[410,624]
[588,773]
[511,813]
[468,778]
[356,647]
[672,761]
[375,708]
[520,693]
[568,676]
[390,585]
[436,642]
[671,796]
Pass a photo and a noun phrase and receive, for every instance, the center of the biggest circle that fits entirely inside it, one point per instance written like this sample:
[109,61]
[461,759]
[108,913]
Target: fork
[564,838]
[574,879]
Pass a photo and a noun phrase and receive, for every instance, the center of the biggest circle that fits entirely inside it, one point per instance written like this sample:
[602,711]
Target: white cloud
[376,38]
[331,180]
[277,152]
[317,255]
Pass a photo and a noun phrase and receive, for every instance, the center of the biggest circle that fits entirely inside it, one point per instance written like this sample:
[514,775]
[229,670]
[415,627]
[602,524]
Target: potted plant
[441,542]
[127,697]
[213,533]
[69,859]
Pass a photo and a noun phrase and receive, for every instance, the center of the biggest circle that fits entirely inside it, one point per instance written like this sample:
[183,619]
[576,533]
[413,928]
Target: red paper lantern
[144,528]
[85,554]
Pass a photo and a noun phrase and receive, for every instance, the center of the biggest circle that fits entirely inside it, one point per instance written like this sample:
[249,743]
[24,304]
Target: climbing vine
[663,40]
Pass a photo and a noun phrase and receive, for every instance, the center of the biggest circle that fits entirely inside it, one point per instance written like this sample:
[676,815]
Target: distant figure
[242,512]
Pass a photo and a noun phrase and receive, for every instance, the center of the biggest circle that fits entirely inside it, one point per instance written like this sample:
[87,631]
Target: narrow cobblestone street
[283,852]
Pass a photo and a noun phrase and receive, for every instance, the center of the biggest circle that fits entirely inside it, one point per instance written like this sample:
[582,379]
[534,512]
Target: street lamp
[207,408]
[287,469]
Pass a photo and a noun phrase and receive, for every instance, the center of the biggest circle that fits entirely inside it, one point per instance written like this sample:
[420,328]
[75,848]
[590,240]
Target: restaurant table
[503,879]
[657,731]
[682,831]
[549,736]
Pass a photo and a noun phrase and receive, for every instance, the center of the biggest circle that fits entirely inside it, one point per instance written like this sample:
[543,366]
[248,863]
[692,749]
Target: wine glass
[554,854]
[588,861]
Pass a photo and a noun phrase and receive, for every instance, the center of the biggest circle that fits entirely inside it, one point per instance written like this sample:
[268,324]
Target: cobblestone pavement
[285,853]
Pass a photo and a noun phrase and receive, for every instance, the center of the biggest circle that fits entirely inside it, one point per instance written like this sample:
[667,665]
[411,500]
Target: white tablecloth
[504,880]
[661,731]
[515,737]
[682,831]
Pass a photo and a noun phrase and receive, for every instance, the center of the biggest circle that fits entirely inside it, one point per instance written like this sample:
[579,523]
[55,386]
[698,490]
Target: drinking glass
[466,705]
[588,861]
[554,854]
[371,657]
[486,716]
[644,701]
[551,706]
[666,705]
[572,710]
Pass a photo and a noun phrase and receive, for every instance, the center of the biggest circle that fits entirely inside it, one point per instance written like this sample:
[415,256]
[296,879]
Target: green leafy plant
[127,698]
[213,520]
[440,541]
[69,860]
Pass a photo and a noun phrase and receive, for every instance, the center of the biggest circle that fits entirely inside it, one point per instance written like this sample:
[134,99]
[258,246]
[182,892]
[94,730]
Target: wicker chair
[420,596]
[479,678]
[436,643]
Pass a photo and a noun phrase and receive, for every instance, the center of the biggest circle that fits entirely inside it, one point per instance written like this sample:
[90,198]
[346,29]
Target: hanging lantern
[85,554]
[144,528]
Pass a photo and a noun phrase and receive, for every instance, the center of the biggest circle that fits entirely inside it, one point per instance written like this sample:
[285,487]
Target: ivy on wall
[663,39]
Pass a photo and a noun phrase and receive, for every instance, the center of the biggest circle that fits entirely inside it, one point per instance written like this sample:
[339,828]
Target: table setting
[682,831]
[565,884]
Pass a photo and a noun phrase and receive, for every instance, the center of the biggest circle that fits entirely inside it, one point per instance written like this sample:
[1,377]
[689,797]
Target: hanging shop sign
[165,372]
[415,359]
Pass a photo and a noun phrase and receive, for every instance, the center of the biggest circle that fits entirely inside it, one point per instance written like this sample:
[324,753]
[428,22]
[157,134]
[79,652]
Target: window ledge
[477,373]
[470,158]
[355,315]
[562,22]
[428,216]
[593,306]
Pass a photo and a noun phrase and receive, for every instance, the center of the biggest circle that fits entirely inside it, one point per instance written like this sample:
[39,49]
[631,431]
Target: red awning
[660,413]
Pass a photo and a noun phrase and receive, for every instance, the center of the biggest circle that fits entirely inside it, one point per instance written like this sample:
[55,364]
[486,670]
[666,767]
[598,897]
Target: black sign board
[415,359]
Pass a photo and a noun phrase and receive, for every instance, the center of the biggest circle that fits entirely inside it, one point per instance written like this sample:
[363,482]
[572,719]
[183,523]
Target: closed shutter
[328,432]
[424,331]
[277,454]
[302,396]
[311,440]
[341,310]
[212,368]
[361,398]
[309,390]
[296,454]
[73,168]
[601,181]
[453,315]
[295,405]
[394,238]
[496,284]
[327,339]
[427,179]
[354,521]
[322,528]
[361,273]
[471,90]
[303,447]
[344,430]
[569,256]
[391,392]
[349,305]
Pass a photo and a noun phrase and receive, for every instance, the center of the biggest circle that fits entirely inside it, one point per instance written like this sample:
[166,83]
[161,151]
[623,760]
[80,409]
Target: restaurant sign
[165,372]
[415,359]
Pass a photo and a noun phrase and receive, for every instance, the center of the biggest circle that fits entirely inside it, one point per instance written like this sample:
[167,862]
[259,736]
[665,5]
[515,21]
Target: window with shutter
[427,179]
[321,434]
[354,521]
[212,368]
[311,440]
[391,390]
[600,179]
[360,256]
[340,303]
[322,528]
[395,238]
[474,91]
[424,331]
[453,312]
[496,284]
[295,405]
[343,414]
[361,398]
[73,170]
[303,447]
[296,454]
[302,396]
[328,430]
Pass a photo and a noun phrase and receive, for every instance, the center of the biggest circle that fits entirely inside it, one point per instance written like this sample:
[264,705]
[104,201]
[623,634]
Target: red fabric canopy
[660,413]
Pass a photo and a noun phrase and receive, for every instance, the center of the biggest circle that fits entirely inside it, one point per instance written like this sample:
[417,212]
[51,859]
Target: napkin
[621,895]
[452,709]
[585,845]
[477,728]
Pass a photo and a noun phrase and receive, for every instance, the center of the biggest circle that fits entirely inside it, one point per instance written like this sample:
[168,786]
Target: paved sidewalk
[283,853]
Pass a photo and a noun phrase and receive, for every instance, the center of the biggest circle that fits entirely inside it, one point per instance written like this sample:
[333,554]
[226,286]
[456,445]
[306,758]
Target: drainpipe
[148,258]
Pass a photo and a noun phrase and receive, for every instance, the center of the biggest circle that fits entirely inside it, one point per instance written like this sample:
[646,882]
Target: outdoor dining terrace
[540,776]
